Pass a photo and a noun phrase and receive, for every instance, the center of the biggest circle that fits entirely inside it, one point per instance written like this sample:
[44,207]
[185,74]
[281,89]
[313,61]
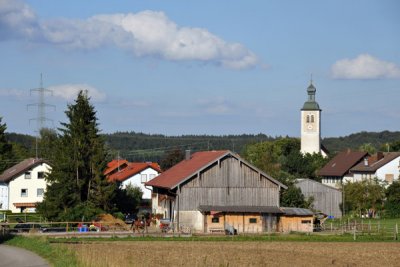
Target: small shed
[296,220]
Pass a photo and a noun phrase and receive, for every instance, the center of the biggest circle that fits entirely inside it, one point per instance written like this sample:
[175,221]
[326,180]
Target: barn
[326,198]
[212,190]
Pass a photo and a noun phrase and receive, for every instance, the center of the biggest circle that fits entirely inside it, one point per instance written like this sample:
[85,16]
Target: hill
[152,147]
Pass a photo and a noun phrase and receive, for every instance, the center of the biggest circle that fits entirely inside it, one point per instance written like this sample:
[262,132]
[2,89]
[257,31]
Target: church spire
[311,104]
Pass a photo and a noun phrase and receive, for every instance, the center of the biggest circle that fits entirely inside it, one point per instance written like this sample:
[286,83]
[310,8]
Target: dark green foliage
[292,197]
[392,204]
[78,189]
[354,141]
[6,154]
[171,158]
[128,199]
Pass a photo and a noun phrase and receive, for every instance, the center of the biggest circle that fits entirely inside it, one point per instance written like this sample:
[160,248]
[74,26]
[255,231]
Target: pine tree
[78,189]
[6,154]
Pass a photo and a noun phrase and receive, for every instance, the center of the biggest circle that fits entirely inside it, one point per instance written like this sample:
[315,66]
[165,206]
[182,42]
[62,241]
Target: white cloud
[364,67]
[69,92]
[146,33]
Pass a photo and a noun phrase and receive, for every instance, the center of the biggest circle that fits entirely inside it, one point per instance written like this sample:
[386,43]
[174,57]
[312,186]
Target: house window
[215,220]
[40,175]
[305,221]
[252,220]
[24,192]
[143,178]
[151,176]
[27,175]
[40,192]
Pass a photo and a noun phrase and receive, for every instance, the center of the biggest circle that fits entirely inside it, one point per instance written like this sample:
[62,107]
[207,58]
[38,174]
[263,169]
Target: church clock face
[309,127]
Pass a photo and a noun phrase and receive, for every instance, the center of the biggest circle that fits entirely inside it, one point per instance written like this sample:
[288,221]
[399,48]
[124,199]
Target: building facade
[26,184]
[213,188]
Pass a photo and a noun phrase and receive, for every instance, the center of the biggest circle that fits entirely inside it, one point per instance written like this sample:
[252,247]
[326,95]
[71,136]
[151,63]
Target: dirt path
[18,257]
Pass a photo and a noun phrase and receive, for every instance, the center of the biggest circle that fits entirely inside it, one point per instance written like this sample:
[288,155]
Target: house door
[269,222]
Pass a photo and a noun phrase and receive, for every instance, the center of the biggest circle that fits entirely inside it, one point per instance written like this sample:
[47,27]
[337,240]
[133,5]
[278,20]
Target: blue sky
[204,67]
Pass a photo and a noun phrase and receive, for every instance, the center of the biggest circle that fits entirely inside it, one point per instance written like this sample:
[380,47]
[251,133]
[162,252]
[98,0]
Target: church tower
[311,124]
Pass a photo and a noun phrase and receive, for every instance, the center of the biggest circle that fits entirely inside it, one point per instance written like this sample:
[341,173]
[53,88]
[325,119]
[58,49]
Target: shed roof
[20,168]
[309,181]
[342,163]
[297,211]
[186,169]
[375,162]
[254,209]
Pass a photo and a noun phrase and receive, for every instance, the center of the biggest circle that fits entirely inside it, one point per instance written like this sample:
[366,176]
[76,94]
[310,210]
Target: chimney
[365,161]
[187,154]
[379,156]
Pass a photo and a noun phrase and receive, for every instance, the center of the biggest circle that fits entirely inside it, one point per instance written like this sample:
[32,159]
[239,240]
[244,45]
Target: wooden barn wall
[326,200]
[229,183]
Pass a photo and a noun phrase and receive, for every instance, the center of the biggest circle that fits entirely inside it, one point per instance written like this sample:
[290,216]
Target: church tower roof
[311,104]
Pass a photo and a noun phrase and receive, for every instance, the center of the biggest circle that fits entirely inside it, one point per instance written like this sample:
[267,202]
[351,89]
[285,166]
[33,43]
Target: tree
[128,199]
[364,197]
[367,147]
[392,204]
[6,153]
[77,186]
[171,158]
[292,197]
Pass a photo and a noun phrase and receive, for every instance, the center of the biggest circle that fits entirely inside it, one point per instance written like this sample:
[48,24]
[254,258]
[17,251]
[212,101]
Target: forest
[137,146]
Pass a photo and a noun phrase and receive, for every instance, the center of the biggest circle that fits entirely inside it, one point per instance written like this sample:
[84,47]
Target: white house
[383,166]
[25,185]
[133,173]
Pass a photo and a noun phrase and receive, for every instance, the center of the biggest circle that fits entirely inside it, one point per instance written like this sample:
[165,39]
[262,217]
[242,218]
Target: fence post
[396,232]
[354,233]
[331,227]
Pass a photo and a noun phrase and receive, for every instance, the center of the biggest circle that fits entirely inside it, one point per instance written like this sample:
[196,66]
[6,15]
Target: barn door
[269,222]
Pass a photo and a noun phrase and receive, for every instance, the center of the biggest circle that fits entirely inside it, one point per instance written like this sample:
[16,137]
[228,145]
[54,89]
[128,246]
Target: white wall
[390,168]
[3,196]
[31,185]
[136,180]
[310,132]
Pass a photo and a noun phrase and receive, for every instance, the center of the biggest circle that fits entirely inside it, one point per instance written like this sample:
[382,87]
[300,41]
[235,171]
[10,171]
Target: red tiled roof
[179,172]
[375,162]
[342,163]
[114,164]
[132,169]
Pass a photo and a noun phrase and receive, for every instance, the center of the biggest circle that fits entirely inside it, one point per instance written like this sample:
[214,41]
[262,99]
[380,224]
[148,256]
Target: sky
[179,67]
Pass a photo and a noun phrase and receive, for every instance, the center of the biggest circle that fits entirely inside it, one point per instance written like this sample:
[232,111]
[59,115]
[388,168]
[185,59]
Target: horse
[140,225]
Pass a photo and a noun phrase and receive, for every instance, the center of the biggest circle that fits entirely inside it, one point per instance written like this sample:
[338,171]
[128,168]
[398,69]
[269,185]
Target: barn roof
[20,168]
[342,163]
[320,185]
[187,168]
[255,209]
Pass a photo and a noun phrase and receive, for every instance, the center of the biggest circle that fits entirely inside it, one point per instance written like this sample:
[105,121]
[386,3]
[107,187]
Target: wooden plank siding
[326,199]
[228,182]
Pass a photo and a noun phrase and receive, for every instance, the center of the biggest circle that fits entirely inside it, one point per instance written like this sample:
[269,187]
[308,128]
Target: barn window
[305,221]
[252,220]
[215,219]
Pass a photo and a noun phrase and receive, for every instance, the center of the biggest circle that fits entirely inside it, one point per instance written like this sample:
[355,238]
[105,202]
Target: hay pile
[111,223]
